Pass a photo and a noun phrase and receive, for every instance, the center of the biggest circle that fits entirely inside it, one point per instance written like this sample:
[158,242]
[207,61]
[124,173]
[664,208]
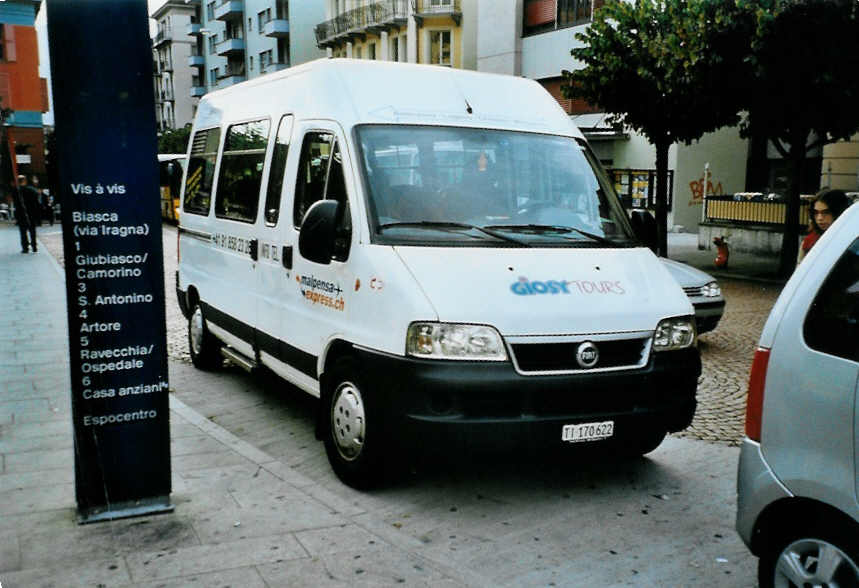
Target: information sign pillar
[101,69]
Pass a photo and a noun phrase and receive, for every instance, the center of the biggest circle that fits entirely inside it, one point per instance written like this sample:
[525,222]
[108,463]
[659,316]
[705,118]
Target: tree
[174,140]
[803,90]
[668,69]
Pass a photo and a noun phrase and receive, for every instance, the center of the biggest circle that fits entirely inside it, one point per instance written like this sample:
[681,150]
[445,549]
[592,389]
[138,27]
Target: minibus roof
[353,91]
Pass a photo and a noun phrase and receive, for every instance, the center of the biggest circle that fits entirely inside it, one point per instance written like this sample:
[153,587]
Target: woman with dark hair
[825,208]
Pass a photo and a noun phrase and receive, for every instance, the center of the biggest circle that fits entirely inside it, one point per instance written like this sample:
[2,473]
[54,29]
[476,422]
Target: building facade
[212,44]
[21,88]
[435,32]
[173,49]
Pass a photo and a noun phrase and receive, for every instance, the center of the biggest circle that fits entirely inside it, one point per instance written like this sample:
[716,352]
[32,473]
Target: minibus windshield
[437,185]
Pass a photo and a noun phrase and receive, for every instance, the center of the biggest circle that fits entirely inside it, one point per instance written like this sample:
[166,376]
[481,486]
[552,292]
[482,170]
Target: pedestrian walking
[27,213]
[825,208]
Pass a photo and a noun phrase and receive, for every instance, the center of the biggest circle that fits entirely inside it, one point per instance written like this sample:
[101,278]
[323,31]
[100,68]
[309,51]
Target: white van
[434,253]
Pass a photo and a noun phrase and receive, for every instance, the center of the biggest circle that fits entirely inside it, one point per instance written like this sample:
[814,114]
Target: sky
[44,58]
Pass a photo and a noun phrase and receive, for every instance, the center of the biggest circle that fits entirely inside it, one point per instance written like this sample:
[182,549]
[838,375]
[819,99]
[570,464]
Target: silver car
[797,504]
[703,291]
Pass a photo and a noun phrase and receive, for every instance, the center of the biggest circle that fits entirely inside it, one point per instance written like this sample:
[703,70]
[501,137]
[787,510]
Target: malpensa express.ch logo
[526,287]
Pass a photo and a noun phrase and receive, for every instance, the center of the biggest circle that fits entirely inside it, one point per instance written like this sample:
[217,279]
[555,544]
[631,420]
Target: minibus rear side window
[240,177]
[832,323]
[278,167]
[201,171]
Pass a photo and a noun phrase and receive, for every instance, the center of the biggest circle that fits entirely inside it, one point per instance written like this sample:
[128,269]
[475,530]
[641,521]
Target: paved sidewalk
[242,518]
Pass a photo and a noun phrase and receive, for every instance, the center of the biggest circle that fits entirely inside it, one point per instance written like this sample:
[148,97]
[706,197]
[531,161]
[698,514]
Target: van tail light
[755,401]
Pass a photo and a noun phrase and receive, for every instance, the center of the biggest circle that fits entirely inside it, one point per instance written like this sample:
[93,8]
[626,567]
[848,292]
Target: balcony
[197,91]
[229,10]
[230,47]
[273,67]
[163,36]
[276,28]
[432,8]
[230,80]
[356,23]
[194,29]
[197,61]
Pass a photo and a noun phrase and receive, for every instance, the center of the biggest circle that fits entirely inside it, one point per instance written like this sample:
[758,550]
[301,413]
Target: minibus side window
[832,323]
[335,189]
[201,171]
[278,167]
[312,169]
[239,180]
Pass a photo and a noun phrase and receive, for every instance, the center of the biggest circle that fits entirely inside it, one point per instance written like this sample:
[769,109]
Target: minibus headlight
[454,341]
[674,333]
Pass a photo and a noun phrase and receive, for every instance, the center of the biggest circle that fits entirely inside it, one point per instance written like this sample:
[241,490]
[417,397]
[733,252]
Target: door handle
[254,249]
[286,258]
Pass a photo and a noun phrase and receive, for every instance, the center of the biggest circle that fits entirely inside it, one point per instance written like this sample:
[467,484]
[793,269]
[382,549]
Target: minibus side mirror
[644,226]
[316,238]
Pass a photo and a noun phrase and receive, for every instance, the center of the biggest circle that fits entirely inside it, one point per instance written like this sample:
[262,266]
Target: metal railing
[433,7]
[750,209]
[361,19]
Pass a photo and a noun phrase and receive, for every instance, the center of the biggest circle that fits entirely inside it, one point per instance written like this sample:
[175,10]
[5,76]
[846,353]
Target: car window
[241,171]
[278,167]
[832,323]
[201,171]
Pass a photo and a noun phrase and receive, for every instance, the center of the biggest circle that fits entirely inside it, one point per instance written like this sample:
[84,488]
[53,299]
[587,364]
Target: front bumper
[757,488]
[486,403]
[708,313]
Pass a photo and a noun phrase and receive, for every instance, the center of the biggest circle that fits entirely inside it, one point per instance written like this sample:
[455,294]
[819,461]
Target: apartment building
[205,45]
[173,52]
[21,88]
[437,32]
[244,39]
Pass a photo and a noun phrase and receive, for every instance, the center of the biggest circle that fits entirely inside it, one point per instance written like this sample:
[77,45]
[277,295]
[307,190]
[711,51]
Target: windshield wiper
[539,229]
[453,225]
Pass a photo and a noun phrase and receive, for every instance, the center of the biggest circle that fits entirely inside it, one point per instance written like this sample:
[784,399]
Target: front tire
[354,432]
[811,555]
[205,349]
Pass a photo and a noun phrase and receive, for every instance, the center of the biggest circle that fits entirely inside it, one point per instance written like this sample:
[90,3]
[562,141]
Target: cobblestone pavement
[726,352]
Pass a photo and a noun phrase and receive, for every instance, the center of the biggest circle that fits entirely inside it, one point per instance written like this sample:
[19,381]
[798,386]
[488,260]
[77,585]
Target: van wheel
[810,555]
[354,435]
[204,347]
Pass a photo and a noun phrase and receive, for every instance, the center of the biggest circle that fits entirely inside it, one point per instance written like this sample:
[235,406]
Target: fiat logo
[587,354]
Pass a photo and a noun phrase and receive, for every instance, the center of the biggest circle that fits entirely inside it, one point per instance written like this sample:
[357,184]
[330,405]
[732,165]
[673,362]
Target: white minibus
[435,254]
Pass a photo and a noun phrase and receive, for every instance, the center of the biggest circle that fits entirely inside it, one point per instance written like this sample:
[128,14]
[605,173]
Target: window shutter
[9,42]
[539,12]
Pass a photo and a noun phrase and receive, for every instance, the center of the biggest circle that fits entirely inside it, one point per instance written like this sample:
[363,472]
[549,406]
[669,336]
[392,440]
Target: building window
[263,18]
[394,49]
[404,47]
[440,52]
[358,53]
[213,76]
[7,44]
[213,41]
[210,11]
[548,15]
[251,63]
[371,51]
[266,58]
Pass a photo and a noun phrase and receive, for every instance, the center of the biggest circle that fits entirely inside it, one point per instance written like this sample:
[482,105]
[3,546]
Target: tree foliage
[665,68]
[803,87]
[174,140]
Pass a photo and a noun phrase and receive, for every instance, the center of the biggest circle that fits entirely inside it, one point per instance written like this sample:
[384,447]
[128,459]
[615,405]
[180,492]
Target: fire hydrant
[721,260]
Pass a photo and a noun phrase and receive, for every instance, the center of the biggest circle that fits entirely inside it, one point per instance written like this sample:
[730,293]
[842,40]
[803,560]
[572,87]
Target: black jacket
[27,208]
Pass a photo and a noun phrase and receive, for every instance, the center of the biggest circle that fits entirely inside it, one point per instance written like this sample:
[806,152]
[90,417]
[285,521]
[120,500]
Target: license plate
[587,432]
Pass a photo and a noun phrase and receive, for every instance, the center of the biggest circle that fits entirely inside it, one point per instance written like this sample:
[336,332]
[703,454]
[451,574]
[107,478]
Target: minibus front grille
[560,357]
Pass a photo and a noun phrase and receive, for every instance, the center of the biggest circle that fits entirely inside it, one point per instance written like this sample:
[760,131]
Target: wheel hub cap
[812,562]
[347,421]
[196,331]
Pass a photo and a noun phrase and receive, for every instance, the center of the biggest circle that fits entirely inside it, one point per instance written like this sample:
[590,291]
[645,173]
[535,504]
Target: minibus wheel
[354,437]
[204,347]
[811,554]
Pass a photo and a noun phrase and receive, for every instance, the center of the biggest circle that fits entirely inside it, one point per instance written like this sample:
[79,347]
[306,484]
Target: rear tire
[811,554]
[204,347]
[354,432]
